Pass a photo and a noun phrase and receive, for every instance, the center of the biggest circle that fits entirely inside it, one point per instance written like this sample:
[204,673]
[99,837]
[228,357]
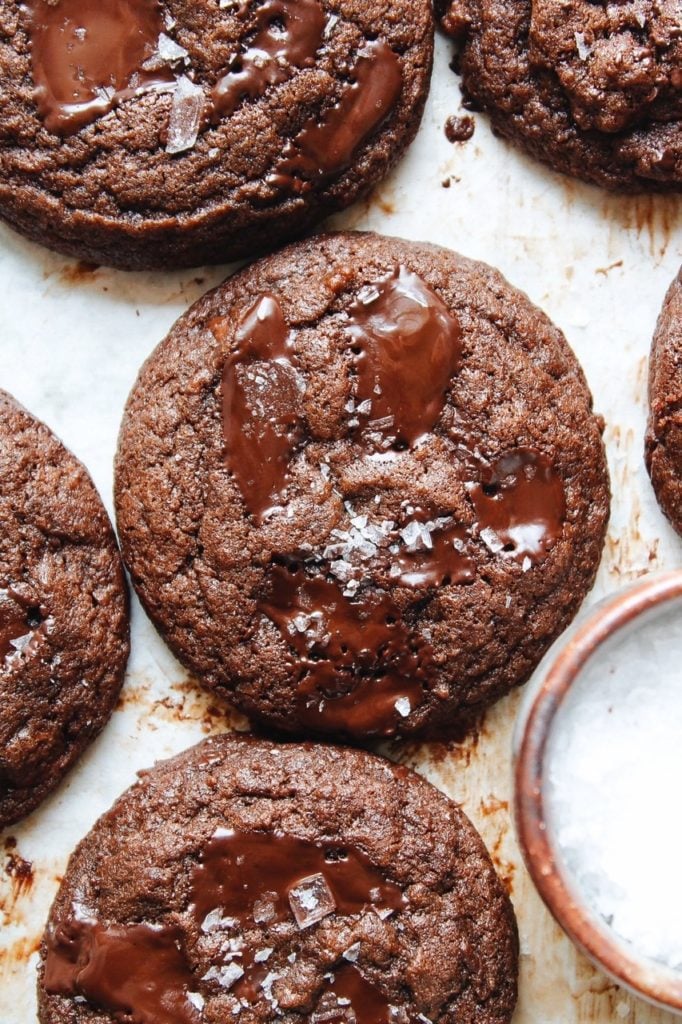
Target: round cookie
[169,133]
[63,612]
[594,90]
[244,880]
[663,448]
[360,488]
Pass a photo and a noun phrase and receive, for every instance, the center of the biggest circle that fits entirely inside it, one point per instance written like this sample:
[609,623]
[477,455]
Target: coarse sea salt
[612,776]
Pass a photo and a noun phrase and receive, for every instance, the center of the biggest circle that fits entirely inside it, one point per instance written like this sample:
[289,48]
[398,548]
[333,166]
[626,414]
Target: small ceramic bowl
[631,609]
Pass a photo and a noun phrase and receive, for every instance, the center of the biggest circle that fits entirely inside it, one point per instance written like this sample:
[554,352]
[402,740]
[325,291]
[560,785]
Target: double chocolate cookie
[360,488]
[663,448]
[167,133]
[255,882]
[592,89]
[63,612]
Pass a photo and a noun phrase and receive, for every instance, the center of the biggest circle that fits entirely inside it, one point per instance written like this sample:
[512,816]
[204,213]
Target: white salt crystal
[614,764]
[491,540]
[225,975]
[583,49]
[402,706]
[264,908]
[311,899]
[197,1000]
[332,22]
[185,115]
[266,985]
[214,920]
[169,50]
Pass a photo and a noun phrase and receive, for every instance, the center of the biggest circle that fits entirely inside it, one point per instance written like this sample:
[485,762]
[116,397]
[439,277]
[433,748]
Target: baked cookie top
[360,487]
[63,611]
[592,89]
[244,880]
[161,133]
[664,431]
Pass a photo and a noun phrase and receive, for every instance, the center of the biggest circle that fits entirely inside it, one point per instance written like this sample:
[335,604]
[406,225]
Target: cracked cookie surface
[390,910]
[592,89]
[360,488]
[63,612]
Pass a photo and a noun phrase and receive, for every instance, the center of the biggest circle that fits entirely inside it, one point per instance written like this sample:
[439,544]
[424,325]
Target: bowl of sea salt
[598,786]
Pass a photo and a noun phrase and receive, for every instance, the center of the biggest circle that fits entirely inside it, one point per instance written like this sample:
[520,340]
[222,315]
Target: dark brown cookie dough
[663,449]
[63,612]
[168,133]
[248,881]
[592,89]
[360,488]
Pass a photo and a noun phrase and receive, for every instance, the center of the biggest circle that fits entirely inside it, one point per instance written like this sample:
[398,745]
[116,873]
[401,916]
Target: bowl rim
[659,985]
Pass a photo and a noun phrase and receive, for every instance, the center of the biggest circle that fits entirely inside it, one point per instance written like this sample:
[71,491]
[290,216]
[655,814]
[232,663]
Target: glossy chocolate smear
[18,621]
[259,877]
[357,666]
[520,504]
[87,56]
[261,406]
[137,972]
[407,347]
[325,146]
[350,999]
[288,34]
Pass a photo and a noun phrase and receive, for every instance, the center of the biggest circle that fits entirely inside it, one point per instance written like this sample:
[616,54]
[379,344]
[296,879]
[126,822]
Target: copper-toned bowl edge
[658,985]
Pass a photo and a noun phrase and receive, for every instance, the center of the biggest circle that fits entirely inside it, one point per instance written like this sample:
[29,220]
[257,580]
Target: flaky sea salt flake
[491,540]
[582,47]
[169,50]
[197,1000]
[225,975]
[311,899]
[214,921]
[185,116]
[264,908]
[403,707]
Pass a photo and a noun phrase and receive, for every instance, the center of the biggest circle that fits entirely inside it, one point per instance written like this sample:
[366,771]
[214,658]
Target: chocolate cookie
[249,881]
[663,449]
[168,133]
[592,89]
[360,487]
[63,612]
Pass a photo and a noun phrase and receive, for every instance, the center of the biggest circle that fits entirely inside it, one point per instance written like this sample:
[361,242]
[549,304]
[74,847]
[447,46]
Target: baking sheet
[72,342]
